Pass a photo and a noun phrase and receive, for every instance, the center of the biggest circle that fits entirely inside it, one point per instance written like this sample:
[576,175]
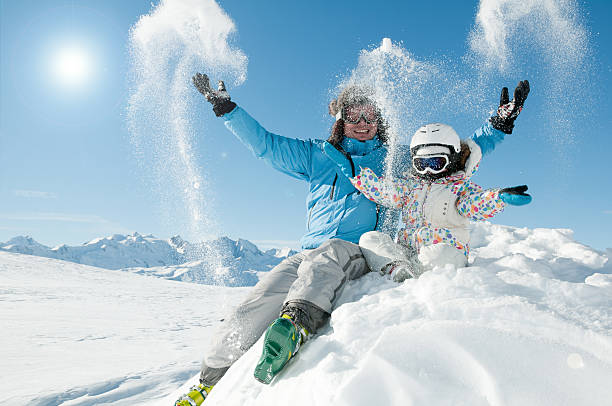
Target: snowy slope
[170,259]
[75,334]
[234,273]
[529,323]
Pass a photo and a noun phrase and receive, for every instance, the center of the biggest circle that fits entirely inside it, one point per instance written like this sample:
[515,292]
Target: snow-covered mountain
[236,262]
[529,322]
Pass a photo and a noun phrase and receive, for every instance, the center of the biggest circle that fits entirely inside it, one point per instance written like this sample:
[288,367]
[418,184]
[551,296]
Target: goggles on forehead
[353,114]
[430,163]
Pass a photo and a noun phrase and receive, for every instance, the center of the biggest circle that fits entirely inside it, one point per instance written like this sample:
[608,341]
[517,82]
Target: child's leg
[441,254]
[380,250]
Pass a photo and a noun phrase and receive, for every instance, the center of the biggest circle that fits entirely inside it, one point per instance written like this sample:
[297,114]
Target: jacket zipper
[352,164]
[331,195]
[352,168]
[348,156]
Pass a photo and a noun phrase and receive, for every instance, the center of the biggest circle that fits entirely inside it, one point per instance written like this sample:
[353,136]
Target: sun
[72,65]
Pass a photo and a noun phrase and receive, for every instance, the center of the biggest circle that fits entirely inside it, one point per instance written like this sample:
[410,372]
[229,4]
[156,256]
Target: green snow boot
[283,339]
[195,396]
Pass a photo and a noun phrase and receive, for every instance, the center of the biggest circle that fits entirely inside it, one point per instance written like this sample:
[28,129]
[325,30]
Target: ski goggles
[353,114]
[431,163]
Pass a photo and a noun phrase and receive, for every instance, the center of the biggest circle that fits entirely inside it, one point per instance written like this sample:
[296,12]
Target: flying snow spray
[386,45]
[408,92]
[539,40]
[175,40]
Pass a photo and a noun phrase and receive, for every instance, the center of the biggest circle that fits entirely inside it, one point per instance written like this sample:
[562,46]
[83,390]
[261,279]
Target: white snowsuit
[436,215]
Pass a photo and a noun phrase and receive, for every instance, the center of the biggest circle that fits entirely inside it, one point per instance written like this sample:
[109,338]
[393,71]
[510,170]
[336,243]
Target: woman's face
[355,124]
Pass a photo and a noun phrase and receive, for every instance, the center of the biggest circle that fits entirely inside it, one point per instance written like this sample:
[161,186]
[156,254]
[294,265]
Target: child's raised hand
[509,110]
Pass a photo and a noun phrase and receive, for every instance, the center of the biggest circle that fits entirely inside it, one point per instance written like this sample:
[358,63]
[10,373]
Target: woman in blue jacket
[302,289]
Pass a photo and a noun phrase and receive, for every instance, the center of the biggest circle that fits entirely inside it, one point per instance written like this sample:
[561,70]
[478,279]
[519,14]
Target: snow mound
[528,323]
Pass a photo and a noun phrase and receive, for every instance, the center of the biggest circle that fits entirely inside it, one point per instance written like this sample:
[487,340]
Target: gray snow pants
[311,280]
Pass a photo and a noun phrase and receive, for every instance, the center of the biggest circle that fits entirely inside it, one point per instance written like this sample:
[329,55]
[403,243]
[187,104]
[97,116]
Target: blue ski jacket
[335,209]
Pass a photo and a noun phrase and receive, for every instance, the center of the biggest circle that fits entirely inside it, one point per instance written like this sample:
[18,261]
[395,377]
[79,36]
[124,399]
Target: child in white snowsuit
[437,200]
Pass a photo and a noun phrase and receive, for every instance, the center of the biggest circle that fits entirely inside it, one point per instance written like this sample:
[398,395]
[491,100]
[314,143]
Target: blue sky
[68,172]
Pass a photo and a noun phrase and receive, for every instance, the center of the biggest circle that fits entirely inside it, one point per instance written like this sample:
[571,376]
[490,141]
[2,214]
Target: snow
[114,252]
[176,39]
[386,45]
[76,334]
[203,28]
[174,258]
[25,245]
[502,23]
[529,322]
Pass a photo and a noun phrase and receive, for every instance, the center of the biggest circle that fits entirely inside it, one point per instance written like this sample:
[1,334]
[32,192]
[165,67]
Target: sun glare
[72,66]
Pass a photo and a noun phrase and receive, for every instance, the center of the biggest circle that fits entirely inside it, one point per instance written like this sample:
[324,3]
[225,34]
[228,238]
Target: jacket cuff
[488,137]
[228,116]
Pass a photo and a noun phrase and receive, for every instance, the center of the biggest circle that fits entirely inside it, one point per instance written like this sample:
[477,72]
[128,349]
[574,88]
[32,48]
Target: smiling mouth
[362,131]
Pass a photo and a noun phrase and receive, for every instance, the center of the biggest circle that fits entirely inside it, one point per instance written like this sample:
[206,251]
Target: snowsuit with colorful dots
[434,211]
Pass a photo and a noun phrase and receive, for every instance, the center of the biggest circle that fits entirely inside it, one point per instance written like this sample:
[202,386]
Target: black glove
[220,99]
[508,110]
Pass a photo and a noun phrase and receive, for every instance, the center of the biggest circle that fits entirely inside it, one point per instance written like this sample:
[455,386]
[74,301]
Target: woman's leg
[322,275]
[250,319]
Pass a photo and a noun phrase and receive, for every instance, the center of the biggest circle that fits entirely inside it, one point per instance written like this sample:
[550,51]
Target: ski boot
[282,341]
[402,270]
[196,395]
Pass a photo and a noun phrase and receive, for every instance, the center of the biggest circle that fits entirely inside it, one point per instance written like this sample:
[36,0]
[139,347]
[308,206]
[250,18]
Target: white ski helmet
[435,138]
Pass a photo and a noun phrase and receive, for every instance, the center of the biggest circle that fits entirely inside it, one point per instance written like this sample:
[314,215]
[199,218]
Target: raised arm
[288,155]
[495,130]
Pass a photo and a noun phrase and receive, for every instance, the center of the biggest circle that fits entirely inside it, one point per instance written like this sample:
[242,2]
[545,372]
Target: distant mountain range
[222,261]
